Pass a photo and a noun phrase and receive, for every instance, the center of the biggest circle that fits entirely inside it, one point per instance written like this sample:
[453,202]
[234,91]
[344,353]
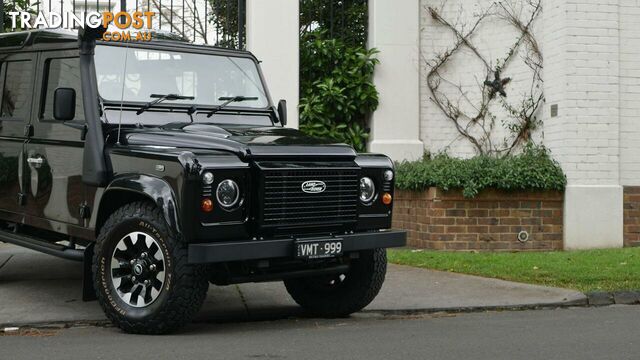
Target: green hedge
[337,93]
[533,169]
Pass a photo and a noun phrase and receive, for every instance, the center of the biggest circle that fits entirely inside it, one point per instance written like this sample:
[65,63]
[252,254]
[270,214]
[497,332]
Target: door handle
[36,161]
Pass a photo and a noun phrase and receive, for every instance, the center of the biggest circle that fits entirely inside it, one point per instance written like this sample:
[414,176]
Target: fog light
[206,205]
[388,175]
[387,199]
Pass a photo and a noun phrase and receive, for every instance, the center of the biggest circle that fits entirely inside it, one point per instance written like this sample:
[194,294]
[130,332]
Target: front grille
[284,204]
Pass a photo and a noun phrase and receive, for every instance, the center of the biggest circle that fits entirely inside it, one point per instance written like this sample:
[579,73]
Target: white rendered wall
[273,37]
[394,31]
[593,217]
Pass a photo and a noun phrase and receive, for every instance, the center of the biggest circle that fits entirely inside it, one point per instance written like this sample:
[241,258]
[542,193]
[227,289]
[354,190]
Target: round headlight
[367,190]
[388,175]
[228,193]
[207,178]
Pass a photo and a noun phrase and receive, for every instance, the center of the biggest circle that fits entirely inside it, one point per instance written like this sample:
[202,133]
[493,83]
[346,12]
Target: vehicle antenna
[124,77]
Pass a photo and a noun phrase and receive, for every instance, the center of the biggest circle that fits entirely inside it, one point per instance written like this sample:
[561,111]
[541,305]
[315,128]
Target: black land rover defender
[165,166]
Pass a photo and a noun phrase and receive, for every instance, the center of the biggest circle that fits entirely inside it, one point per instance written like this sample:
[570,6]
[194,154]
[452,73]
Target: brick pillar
[581,45]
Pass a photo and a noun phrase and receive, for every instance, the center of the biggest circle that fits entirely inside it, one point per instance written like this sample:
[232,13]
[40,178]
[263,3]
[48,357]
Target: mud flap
[88,292]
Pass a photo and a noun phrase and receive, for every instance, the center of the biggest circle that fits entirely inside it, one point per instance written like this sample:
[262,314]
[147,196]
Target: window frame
[194,51]
[3,76]
[2,80]
[46,64]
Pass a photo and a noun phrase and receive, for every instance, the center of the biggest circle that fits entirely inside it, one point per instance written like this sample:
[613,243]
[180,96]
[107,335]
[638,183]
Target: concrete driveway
[37,288]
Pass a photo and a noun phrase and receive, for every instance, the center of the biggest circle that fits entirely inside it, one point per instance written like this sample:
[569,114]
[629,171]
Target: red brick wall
[445,220]
[632,216]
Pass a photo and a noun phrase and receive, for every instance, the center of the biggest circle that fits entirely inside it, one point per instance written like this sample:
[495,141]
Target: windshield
[206,78]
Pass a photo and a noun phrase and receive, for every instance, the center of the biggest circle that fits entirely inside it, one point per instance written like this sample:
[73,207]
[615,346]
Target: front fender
[157,190]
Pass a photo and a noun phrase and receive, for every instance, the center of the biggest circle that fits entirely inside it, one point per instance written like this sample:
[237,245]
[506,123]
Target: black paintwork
[90,168]
[246,142]
[280,248]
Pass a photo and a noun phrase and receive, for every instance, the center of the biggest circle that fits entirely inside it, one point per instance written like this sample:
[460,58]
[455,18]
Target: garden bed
[490,203]
[493,220]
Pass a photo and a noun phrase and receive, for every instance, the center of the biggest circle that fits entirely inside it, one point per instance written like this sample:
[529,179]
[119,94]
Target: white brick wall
[553,42]
[494,38]
[591,54]
[587,144]
[629,92]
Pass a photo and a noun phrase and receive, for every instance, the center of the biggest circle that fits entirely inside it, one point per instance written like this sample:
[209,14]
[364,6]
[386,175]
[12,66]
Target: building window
[62,73]
[17,91]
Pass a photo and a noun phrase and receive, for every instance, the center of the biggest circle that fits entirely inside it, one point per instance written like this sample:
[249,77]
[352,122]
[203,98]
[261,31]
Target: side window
[62,73]
[17,91]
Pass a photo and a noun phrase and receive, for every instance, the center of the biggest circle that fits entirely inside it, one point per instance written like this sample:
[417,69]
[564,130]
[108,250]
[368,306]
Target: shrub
[13,6]
[336,89]
[346,20]
[532,169]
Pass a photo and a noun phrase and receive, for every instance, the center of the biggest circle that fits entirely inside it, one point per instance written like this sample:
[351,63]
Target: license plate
[318,249]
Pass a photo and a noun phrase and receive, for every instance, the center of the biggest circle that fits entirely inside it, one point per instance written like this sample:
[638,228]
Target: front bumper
[282,248]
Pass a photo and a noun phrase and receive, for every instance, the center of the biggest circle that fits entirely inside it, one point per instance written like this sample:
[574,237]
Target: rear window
[17,91]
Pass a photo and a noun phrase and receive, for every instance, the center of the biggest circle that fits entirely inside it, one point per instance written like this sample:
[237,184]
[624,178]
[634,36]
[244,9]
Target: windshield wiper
[228,100]
[160,98]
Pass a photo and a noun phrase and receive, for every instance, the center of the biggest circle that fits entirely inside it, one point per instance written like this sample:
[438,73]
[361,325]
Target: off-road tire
[185,286]
[324,298]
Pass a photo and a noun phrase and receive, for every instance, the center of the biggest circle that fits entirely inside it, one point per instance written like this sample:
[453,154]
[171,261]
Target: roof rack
[20,39]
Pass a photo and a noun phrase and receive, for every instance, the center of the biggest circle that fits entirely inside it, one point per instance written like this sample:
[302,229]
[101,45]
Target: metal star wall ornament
[497,85]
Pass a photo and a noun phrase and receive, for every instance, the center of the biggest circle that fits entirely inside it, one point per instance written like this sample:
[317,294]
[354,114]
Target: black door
[53,153]
[16,89]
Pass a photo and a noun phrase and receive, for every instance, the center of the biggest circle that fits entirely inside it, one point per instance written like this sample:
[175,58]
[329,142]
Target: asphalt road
[578,333]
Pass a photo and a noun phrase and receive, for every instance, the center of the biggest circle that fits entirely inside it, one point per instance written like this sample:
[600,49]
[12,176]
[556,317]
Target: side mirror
[64,104]
[282,112]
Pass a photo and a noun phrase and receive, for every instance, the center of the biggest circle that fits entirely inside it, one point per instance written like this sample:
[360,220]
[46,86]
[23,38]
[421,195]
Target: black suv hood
[245,141]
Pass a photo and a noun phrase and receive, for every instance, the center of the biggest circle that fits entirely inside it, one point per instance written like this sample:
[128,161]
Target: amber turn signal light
[386,199]
[206,205]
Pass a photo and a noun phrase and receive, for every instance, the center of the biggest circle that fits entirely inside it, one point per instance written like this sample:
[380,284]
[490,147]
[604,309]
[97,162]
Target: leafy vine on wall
[475,119]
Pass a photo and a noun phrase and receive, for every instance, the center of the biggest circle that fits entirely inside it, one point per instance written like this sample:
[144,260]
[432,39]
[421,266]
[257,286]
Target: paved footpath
[37,289]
